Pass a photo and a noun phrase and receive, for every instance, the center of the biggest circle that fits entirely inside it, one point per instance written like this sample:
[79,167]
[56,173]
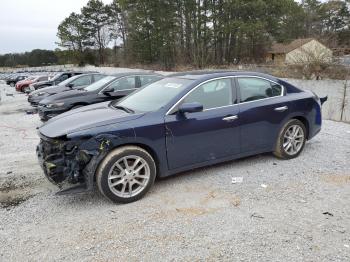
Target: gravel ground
[295,210]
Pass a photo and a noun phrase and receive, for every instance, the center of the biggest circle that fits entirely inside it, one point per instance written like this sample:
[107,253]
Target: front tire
[291,140]
[126,174]
[12,84]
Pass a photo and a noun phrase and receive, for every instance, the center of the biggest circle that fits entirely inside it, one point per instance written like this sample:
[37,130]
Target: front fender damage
[72,164]
[104,143]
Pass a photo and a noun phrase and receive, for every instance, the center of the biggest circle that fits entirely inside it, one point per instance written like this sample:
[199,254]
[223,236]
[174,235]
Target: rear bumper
[314,131]
[315,120]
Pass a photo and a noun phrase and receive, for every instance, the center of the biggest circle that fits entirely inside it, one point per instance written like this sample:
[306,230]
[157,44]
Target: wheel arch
[143,146]
[148,149]
[305,123]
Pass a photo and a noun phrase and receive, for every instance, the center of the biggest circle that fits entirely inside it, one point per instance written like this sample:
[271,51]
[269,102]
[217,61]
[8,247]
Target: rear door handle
[281,109]
[230,118]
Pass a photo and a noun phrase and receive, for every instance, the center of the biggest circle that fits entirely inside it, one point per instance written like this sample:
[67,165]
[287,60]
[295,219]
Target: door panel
[260,123]
[259,119]
[202,136]
[192,138]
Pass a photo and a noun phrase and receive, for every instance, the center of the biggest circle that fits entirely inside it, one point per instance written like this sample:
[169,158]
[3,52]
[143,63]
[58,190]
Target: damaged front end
[71,164]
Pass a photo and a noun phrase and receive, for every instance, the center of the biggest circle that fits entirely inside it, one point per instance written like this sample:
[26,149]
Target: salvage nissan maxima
[179,123]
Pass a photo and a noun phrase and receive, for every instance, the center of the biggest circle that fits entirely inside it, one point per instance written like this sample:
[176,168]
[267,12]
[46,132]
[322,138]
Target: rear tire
[291,140]
[126,174]
[12,84]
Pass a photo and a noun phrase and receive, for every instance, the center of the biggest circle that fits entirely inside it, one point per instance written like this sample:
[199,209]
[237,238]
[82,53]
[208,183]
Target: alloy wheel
[293,140]
[128,176]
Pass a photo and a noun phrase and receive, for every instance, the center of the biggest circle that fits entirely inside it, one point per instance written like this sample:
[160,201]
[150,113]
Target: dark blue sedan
[181,122]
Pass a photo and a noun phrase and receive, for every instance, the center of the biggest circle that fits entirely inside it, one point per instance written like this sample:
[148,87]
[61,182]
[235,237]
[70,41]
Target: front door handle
[230,118]
[281,109]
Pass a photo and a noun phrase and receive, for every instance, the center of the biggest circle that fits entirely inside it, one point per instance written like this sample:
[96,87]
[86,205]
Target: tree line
[198,33]
[36,57]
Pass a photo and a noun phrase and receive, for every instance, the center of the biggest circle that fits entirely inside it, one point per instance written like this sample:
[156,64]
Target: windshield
[100,83]
[29,78]
[155,95]
[56,76]
[68,80]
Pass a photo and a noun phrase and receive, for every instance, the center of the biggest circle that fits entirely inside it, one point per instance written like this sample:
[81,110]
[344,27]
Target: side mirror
[70,85]
[190,108]
[107,91]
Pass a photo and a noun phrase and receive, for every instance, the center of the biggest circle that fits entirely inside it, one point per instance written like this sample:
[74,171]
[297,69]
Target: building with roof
[299,51]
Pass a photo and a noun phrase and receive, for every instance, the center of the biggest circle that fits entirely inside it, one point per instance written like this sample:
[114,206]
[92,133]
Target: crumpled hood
[64,95]
[84,118]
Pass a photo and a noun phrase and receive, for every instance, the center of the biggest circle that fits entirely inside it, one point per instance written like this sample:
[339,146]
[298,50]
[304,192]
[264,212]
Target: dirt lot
[295,210]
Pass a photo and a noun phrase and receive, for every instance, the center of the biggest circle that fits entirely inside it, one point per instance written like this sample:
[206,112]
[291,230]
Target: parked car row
[12,79]
[23,85]
[87,89]
[27,82]
[131,128]
[55,80]
[73,82]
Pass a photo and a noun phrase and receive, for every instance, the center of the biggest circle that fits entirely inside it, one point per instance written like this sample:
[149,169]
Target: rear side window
[98,77]
[216,93]
[82,81]
[252,89]
[62,78]
[147,79]
[123,83]
[43,78]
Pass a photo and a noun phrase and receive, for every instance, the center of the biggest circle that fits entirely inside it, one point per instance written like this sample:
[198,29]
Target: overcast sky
[31,24]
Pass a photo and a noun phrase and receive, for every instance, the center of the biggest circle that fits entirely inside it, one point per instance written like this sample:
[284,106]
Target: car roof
[77,72]
[135,73]
[86,74]
[208,74]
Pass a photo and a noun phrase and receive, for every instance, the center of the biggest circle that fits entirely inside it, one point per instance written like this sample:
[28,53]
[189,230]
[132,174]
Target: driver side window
[216,93]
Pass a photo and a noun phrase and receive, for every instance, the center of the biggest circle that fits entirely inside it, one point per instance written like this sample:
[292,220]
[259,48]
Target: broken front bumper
[52,165]
[63,164]
[71,165]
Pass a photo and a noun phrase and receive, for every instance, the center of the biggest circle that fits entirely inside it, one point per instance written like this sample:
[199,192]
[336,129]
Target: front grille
[51,156]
